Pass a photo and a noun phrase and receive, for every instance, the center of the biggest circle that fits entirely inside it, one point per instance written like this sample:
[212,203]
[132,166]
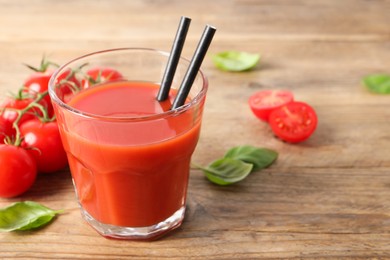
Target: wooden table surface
[327,197]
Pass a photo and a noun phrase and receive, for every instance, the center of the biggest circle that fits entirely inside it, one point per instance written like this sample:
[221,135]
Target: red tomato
[46,145]
[293,122]
[66,84]
[263,102]
[38,82]
[69,76]
[101,74]
[18,171]
[10,115]
[6,129]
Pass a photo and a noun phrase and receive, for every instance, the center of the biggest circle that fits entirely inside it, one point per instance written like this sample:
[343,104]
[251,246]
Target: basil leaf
[378,83]
[227,171]
[259,157]
[25,216]
[235,60]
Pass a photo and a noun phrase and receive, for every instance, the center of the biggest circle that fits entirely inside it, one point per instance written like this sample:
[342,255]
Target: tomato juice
[129,156]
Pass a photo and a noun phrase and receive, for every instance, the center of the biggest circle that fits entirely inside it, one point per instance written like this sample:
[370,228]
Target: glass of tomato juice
[129,155]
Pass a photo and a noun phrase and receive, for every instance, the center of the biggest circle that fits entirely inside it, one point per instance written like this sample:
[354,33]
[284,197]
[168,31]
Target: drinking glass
[130,169]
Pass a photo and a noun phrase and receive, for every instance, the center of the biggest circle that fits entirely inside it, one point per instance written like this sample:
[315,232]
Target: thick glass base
[136,233]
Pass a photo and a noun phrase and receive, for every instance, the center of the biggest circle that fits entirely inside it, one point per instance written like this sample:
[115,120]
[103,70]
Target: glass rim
[199,96]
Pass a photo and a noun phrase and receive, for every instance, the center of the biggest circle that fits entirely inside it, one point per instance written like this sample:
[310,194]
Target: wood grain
[326,198]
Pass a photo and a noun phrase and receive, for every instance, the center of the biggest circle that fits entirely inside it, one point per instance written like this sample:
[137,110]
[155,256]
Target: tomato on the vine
[69,76]
[6,129]
[43,141]
[293,122]
[9,114]
[98,75]
[38,82]
[18,171]
[262,103]
[66,84]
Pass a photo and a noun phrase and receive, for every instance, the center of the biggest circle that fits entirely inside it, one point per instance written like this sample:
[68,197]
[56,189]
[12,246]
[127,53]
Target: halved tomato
[293,122]
[262,103]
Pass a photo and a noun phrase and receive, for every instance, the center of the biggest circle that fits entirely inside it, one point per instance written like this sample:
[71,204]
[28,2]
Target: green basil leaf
[259,157]
[378,83]
[25,215]
[235,60]
[227,171]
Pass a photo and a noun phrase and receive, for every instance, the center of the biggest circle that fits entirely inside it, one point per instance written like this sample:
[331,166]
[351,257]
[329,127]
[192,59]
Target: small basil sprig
[259,157]
[226,171]
[25,215]
[237,164]
[235,60]
[378,83]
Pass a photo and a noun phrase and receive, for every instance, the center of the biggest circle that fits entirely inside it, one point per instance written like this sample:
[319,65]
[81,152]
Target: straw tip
[183,17]
[212,27]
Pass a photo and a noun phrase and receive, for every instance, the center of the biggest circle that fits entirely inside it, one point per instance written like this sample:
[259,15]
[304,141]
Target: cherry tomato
[293,122]
[6,129]
[18,171]
[44,143]
[69,76]
[10,115]
[98,75]
[263,102]
[38,82]
[66,84]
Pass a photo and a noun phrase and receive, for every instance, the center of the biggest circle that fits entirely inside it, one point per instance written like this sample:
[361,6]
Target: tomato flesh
[262,103]
[293,122]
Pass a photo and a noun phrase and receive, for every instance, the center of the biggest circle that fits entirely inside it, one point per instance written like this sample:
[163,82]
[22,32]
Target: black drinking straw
[194,66]
[173,59]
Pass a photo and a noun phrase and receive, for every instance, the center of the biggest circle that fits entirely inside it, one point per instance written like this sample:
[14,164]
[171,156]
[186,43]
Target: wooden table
[327,197]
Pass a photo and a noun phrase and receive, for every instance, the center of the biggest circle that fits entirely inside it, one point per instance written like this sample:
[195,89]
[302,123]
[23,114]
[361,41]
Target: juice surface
[121,99]
[129,173]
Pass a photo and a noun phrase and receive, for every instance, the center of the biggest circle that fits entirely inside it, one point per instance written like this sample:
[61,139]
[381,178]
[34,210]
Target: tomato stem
[21,112]
[44,65]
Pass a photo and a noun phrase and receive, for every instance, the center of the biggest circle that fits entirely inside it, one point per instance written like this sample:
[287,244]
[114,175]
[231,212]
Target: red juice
[129,172]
